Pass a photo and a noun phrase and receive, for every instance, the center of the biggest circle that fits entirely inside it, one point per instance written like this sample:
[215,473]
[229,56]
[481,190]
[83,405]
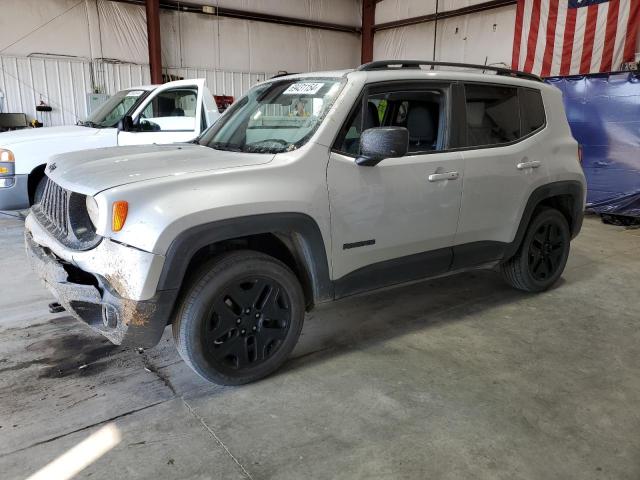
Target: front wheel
[240,318]
[543,254]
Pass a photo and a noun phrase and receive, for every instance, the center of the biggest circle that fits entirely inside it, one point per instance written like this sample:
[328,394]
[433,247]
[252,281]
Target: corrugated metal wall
[63,83]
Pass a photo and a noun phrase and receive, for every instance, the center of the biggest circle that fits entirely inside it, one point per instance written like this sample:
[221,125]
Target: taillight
[580,154]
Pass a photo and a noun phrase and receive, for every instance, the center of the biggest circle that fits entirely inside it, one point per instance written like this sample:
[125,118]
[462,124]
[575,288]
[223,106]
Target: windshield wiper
[230,147]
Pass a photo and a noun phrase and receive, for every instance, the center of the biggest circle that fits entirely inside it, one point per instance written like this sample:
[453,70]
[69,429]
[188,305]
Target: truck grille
[53,209]
[64,215]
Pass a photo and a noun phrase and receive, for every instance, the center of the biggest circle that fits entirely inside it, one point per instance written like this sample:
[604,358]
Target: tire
[543,254]
[39,191]
[240,318]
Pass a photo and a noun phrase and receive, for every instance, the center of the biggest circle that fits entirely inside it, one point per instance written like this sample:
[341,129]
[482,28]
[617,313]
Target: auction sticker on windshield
[303,89]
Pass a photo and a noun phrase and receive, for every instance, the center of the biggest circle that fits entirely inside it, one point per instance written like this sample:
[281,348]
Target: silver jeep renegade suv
[308,189]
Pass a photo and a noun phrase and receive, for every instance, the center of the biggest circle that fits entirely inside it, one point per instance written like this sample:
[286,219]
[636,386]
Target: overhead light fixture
[209,9]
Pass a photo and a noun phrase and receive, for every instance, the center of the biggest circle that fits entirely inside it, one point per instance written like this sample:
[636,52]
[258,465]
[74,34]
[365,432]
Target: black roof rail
[415,64]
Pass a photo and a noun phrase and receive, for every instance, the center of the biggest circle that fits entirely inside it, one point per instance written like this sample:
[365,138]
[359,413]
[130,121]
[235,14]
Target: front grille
[64,215]
[53,209]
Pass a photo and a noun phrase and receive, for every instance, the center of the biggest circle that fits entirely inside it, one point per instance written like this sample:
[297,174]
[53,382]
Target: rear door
[172,113]
[503,164]
[395,221]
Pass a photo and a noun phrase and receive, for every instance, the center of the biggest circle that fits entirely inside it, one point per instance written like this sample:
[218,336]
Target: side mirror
[126,124]
[379,143]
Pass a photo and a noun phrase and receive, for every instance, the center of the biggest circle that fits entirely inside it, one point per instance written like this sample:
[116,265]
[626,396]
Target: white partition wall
[482,37]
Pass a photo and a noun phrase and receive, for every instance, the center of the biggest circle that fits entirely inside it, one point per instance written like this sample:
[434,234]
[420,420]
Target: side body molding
[304,234]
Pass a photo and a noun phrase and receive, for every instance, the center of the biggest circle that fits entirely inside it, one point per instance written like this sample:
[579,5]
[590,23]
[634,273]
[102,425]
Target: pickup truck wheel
[543,253]
[39,191]
[240,318]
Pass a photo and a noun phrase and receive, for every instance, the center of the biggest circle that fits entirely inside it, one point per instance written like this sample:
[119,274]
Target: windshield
[112,111]
[274,117]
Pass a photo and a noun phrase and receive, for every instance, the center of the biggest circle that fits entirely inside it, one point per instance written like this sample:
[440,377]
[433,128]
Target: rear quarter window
[531,111]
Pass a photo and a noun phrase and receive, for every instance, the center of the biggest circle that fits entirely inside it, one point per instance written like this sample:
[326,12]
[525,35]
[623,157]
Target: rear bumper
[15,197]
[90,298]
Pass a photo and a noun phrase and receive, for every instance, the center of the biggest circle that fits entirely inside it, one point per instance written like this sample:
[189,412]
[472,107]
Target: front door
[395,221]
[172,113]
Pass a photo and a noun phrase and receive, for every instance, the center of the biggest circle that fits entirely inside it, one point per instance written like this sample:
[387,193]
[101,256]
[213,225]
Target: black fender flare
[306,239]
[572,188]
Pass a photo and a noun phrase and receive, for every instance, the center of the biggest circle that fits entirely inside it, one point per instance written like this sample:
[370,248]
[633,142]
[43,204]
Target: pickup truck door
[172,113]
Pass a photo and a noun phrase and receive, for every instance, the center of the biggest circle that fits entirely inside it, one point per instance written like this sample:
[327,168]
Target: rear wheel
[543,254]
[240,318]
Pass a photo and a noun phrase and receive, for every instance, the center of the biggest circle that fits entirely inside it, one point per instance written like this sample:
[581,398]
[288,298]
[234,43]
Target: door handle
[531,164]
[439,177]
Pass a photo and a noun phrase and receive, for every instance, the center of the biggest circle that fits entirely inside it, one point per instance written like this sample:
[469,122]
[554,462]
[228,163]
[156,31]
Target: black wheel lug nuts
[257,315]
[247,311]
[254,328]
[243,331]
[238,321]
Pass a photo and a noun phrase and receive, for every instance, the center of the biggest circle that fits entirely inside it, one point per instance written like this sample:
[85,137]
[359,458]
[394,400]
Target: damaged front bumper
[92,298]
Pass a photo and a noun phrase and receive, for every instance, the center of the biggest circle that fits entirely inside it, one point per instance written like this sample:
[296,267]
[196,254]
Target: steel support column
[153,40]
[368,21]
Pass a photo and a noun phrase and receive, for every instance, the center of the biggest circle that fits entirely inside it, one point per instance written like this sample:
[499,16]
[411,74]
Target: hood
[44,134]
[92,171]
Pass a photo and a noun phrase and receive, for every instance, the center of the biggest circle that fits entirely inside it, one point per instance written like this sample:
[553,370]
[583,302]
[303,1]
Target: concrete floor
[453,378]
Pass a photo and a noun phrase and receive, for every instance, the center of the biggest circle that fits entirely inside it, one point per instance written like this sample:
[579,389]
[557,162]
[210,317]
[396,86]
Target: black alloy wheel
[248,321]
[543,253]
[546,250]
[239,317]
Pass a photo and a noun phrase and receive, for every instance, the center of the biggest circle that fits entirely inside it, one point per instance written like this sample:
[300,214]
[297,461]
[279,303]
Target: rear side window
[531,110]
[493,115]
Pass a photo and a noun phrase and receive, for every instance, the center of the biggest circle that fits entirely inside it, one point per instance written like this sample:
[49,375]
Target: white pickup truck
[173,112]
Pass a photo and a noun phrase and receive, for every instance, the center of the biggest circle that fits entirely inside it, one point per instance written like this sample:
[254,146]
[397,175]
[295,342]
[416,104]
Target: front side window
[493,115]
[420,112]
[171,110]
[274,117]
[112,111]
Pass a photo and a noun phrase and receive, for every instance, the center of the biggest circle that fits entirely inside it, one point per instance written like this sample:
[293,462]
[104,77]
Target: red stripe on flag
[517,36]
[567,43]
[632,31]
[551,38]
[589,36]
[533,36]
[610,35]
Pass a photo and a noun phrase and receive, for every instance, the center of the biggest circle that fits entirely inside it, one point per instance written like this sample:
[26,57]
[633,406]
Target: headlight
[7,162]
[93,210]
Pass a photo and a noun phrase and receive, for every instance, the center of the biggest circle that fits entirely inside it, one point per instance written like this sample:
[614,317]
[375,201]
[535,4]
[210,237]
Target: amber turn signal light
[120,211]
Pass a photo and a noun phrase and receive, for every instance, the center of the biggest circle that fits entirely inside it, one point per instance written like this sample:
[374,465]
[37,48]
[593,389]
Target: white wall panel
[60,83]
[392,10]
[344,12]
[123,32]
[414,42]
[483,37]
[46,26]
[207,41]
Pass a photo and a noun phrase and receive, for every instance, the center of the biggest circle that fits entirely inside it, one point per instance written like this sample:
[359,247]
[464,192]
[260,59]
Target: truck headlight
[7,162]
[92,210]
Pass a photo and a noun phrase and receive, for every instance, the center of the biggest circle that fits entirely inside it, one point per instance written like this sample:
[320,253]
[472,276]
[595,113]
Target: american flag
[569,37]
